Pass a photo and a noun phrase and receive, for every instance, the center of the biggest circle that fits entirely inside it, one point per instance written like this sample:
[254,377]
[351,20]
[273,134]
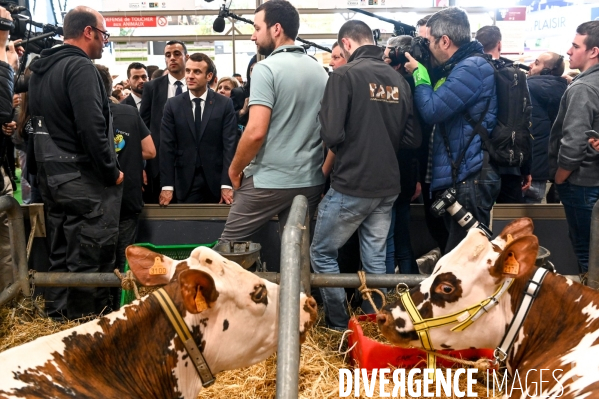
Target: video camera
[418,48]
[21,28]
[447,202]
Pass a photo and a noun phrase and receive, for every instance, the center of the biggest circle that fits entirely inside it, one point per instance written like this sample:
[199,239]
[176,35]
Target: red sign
[130,22]
[511,14]
[162,21]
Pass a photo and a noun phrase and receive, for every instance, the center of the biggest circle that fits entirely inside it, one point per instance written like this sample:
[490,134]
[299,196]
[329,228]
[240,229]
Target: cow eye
[444,288]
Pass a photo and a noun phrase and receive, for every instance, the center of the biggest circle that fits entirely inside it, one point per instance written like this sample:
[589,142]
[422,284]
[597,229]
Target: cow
[135,353]
[560,334]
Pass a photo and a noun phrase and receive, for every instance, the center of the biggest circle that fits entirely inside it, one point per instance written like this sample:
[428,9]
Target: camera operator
[468,86]
[6,94]
[77,167]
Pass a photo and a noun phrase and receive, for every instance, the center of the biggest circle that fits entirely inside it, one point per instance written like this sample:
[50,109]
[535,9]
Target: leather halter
[185,336]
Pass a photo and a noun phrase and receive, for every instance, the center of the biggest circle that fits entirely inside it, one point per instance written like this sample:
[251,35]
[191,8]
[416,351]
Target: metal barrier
[18,247]
[593,275]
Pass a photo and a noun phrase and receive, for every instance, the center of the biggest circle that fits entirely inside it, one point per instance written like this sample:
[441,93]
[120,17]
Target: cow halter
[185,335]
[464,317]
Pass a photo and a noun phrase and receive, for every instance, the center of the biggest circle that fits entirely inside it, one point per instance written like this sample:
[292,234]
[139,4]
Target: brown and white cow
[134,353]
[561,331]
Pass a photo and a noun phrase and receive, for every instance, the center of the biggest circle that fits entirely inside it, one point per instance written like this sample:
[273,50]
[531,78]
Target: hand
[226,196]
[411,65]
[9,128]
[244,110]
[526,182]
[144,177]
[16,100]
[417,192]
[13,55]
[166,196]
[4,33]
[235,179]
[594,143]
[120,178]
[561,175]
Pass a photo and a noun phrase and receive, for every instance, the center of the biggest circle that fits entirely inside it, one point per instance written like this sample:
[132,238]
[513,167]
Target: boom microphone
[219,22]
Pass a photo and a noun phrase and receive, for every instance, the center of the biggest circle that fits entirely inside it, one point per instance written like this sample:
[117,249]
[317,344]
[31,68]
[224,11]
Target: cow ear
[198,290]
[150,268]
[517,258]
[517,228]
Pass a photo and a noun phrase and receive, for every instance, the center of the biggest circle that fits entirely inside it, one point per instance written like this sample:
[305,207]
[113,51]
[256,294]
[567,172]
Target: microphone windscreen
[219,24]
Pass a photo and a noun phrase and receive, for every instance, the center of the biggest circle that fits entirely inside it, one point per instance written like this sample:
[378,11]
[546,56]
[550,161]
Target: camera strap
[455,165]
[5,24]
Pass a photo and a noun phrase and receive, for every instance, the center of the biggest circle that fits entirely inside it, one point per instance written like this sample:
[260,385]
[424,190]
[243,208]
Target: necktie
[198,123]
[179,88]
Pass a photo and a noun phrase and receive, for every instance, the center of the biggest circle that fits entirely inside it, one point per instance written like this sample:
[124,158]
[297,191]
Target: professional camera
[447,202]
[34,41]
[418,49]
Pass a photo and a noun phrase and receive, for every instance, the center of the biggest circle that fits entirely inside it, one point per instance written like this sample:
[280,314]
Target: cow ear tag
[158,268]
[200,301]
[509,239]
[511,265]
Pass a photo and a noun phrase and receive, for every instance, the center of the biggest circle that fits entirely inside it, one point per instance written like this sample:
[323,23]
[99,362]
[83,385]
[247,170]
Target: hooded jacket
[6,92]
[568,144]
[546,91]
[470,83]
[67,91]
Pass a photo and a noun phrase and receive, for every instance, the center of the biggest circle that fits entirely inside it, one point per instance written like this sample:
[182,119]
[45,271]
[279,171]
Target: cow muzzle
[308,317]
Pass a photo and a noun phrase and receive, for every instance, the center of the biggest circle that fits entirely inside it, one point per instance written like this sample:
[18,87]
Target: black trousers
[127,234]
[200,192]
[82,222]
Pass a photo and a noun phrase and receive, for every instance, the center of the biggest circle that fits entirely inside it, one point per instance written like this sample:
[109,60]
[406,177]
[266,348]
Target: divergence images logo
[388,94]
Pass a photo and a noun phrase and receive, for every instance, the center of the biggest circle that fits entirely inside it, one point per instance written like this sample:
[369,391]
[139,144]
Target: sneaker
[426,263]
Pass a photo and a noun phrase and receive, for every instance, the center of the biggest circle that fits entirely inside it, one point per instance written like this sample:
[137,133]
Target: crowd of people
[380,131]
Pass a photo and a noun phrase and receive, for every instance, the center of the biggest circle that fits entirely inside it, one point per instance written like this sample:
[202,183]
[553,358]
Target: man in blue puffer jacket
[466,85]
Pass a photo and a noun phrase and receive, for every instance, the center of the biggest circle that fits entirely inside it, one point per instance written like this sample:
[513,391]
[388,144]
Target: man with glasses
[77,169]
[573,163]
[466,86]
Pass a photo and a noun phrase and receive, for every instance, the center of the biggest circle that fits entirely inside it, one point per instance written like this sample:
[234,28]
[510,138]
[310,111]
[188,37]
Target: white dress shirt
[172,87]
[137,100]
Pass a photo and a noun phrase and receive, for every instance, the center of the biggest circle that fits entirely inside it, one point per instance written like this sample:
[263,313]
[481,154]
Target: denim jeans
[578,203]
[477,194]
[399,244]
[536,192]
[339,216]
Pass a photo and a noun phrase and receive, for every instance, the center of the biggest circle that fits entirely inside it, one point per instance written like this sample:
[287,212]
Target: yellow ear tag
[158,268]
[509,239]
[511,265]
[201,304]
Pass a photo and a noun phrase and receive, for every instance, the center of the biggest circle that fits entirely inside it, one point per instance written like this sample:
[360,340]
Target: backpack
[510,142]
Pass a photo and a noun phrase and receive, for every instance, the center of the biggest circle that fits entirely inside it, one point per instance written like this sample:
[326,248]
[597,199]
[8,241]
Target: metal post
[289,296]
[593,275]
[233,43]
[305,252]
[18,247]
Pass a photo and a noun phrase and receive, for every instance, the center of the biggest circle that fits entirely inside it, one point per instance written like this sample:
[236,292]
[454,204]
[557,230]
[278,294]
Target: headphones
[550,71]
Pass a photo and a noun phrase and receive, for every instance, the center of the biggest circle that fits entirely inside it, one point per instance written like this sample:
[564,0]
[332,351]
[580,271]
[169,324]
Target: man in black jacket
[78,173]
[546,87]
[366,115]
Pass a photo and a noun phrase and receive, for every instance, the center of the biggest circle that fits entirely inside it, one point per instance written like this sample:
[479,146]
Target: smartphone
[592,134]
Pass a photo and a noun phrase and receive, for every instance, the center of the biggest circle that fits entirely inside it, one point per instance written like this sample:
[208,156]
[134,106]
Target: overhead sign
[134,5]
[130,22]
[325,4]
[512,23]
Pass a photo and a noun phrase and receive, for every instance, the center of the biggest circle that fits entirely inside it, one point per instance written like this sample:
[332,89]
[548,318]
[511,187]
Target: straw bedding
[319,364]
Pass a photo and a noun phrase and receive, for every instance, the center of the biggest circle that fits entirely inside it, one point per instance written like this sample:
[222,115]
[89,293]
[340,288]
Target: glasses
[105,35]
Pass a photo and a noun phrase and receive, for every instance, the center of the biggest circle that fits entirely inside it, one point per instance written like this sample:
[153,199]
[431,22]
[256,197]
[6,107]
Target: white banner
[137,5]
[373,3]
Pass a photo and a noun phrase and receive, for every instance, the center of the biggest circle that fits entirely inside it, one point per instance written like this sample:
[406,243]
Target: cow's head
[470,273]
[235,310]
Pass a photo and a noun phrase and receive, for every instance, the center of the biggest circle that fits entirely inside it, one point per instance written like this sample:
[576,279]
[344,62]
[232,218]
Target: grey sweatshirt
[568,144]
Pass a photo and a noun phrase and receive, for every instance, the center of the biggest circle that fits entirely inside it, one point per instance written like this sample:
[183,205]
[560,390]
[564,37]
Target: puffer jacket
[6,92]
[546,92]
[470,83]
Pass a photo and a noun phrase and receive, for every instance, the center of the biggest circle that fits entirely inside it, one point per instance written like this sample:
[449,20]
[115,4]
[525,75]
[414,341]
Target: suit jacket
[179,146]
[153,99]
[129,100]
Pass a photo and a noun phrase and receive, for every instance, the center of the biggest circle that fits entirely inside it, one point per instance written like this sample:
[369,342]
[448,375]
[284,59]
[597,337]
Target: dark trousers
[511,190]
[200,192]
[152,190]
[127,234]
[436,225]
[82,225]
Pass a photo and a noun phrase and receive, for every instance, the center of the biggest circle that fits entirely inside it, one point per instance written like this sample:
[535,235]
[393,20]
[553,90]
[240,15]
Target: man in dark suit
[137,77]
[155,94]
[197,140]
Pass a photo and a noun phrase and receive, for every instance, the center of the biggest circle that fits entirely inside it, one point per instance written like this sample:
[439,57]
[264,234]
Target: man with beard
[279,155]
[77,169]
[154,97]
[457,158]
[137,76]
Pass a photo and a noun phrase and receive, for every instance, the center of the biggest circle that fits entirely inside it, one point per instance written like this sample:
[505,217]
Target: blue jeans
[578,203]
[536,192]
[339,216]
[399,244]
[477,194]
